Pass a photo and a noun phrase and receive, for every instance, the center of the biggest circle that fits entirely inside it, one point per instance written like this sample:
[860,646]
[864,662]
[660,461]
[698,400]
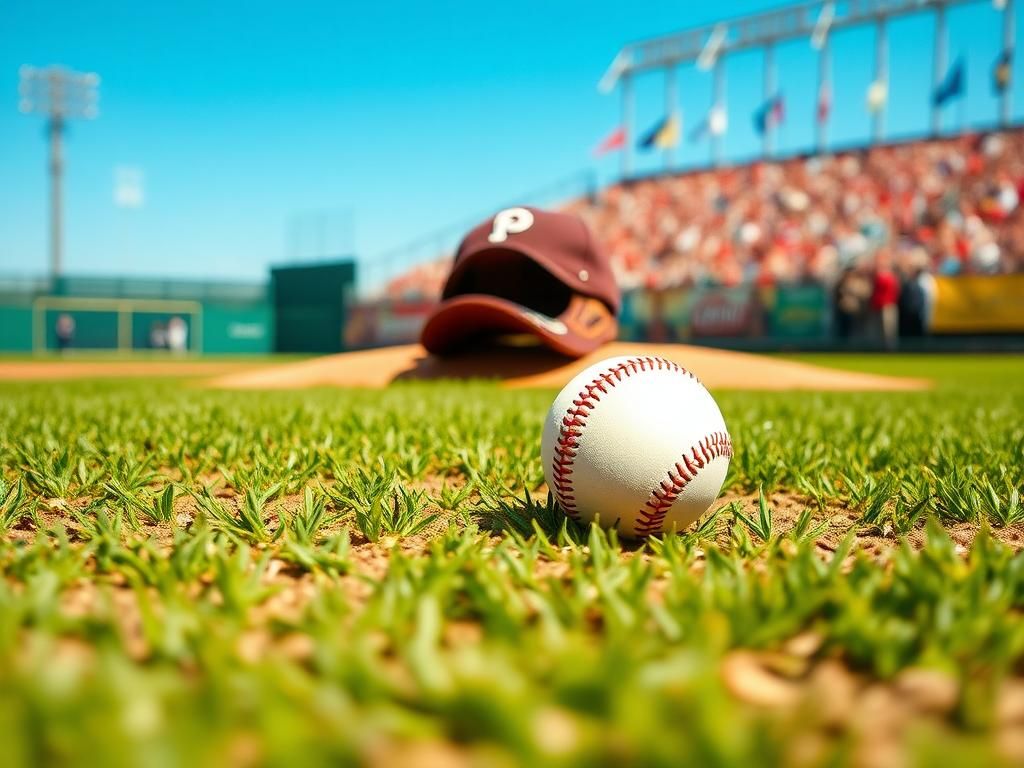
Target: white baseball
[636,443]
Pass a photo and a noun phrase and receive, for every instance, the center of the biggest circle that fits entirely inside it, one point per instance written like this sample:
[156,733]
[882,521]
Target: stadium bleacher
[948,206]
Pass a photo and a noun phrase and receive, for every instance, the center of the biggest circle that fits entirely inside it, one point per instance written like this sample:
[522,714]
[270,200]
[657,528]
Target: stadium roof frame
[710,42]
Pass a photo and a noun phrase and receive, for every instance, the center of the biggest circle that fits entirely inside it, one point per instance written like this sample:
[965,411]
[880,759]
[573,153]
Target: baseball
[636,443]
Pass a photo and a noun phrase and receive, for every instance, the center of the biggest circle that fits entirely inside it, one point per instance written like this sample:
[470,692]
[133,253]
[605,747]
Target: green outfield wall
[16,327]
[134,315]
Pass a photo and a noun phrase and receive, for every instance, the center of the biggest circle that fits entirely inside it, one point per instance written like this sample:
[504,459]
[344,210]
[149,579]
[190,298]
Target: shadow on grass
[503,513]
[526,517]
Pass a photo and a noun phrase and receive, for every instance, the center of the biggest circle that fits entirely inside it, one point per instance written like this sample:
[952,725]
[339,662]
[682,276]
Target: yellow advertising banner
[979,304]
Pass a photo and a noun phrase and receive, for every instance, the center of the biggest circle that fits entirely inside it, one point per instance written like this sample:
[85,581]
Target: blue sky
[244,117]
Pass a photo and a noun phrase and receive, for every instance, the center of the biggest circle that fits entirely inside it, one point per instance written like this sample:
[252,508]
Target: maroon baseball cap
[527,271]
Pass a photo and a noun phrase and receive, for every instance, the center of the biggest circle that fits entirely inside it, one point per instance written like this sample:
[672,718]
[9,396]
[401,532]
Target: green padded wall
[15,328]
[93,330]
[238,329]
[114,313]
[310,306]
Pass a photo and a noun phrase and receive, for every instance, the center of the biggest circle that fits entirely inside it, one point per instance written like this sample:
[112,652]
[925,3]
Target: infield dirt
[69,369]
[718,369]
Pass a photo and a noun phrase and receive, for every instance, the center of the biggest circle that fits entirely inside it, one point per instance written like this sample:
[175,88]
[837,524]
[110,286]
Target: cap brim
[584,326]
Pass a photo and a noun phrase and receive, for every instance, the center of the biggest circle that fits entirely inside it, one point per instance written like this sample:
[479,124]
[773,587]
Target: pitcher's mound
[718,369]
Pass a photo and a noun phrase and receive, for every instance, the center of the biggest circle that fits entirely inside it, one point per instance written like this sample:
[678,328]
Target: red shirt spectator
[887,289]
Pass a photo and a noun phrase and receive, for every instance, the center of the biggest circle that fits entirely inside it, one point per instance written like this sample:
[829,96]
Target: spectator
[926,282]
[885,299]
[177,335]
[850,298]
[157,335]
[911,305]
[65,332]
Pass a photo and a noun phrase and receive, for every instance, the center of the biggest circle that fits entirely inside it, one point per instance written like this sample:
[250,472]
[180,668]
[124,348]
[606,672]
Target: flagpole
[627,124]
[769,93]
[962,106]
[1008,35]
[939,66]
[824,61]
[671,100]
[717,102]
[881,76]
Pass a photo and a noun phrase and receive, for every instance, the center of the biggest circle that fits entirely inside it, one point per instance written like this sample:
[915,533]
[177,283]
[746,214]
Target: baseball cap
[527,271]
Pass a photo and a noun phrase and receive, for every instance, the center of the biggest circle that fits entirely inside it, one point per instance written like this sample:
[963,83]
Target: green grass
[353,577]
[974,371]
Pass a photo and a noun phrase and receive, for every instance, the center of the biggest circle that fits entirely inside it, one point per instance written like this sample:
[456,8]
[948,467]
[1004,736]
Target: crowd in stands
[950,206]
[947,206]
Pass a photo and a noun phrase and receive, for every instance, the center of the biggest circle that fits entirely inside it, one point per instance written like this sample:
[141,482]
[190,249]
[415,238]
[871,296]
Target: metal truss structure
[708,46]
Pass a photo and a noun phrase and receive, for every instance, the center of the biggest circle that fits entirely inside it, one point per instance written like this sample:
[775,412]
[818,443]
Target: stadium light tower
[60,94]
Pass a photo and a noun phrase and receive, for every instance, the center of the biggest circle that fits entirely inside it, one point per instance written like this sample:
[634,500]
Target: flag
[824,102]
[615,141]
[769,114]
[878,95]
[1002,70]
[664,135]
[714,123]
[952,86]
[718,121]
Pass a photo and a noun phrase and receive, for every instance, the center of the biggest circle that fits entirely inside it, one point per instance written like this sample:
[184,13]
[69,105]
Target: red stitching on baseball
[665,493]
[575,421]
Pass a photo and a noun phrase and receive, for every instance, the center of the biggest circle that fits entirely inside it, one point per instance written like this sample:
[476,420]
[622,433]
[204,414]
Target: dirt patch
[717,368]
[834,521]
[832,702]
